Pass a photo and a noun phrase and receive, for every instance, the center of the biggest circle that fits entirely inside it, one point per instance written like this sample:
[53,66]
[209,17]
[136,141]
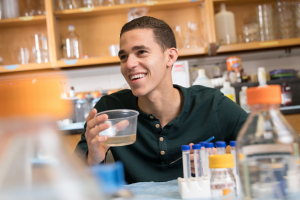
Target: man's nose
[132,61]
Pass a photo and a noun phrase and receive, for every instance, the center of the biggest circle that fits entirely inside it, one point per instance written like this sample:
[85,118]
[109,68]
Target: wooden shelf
[88,61]
[192,52]
[27,67]
[117,9]
[258,45]
[23,21]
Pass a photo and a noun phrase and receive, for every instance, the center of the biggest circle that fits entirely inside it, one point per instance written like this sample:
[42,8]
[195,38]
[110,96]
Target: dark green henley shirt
[206,112]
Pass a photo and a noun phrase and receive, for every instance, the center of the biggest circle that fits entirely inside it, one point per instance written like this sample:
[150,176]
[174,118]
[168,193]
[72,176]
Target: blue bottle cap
[220,144]
[197,146]
[185,147]
[232,143]
[209,145]
[202,144]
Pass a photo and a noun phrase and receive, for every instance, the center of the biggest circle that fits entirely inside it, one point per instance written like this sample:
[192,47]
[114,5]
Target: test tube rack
[199,189]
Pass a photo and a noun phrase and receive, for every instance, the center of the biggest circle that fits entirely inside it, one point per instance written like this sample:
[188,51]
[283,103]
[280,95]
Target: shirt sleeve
[230,117]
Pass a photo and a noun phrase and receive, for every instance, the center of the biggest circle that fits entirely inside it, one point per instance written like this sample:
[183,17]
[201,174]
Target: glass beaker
[267,148]
[264,13]
[23,56]
[41,48]
[72,4]
[286,19]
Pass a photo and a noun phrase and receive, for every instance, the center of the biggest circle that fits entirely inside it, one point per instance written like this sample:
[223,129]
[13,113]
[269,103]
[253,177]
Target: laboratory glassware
[186,164]
[267,148]
[197,161]
[72,4]
[41,48]
[10,8]
[220,145]
[286,19]
[73,44]
[82,108]
[264,13]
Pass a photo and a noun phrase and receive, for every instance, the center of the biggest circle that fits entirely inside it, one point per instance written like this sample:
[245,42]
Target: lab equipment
[210,139]
[82,108]
[232,145]
[222,182]
[286,94]
[234,63]
[264,13]
[202,79]
[208,151]
[267,148]
[243,98]
[228,91]
[225,26]
[29,136]
[262,76]
[286,19]
[186,162]
[10,9]
[197,161]
[73,44]
[41,48]
[123,126]
[72,4]
[221,145]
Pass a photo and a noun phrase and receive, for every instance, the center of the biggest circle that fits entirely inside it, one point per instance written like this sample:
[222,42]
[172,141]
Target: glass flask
[268,148]
[73,44]
[34,165]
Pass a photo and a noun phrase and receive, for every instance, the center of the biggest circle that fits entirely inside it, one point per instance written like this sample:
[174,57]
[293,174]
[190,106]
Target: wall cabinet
[100,27]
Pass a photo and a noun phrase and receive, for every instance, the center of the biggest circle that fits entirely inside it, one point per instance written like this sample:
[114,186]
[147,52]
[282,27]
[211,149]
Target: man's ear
[172,54]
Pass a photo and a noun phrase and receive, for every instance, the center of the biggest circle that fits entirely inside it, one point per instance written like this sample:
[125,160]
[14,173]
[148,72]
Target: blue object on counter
[197,146]
[220,144]
[283,73]
[185,147]
[110,176]
[232,143]
[209,145]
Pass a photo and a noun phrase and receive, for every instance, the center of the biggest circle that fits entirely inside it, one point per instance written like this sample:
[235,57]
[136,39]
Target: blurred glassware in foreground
[264,13]
[29,136]
[268,148]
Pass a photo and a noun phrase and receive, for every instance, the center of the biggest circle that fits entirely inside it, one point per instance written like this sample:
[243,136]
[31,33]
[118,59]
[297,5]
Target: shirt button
[161,139]
[157,126]
[162,152]
[151,117]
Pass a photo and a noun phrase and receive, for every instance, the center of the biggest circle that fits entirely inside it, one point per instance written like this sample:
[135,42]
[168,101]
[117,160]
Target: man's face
[143,63]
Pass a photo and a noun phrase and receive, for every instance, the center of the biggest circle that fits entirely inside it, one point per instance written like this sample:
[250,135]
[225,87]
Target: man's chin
[138,93]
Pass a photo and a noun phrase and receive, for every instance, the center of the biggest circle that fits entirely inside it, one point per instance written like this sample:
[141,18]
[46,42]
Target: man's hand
[97,150]
[192,157]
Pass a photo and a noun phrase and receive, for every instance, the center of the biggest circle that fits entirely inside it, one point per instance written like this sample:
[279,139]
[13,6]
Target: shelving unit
[99,27]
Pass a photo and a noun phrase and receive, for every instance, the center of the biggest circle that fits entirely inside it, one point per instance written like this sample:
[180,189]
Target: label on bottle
[224,191]
[230,96]
[286,98]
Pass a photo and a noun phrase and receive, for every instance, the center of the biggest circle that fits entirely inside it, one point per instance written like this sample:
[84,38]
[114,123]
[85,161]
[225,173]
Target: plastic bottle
[286,95]
[202,79]
[262,77]
[222,182]
[228,91]
[225,26]
[221,145]
[267,148]
[29,136]
[243,98]
[73,44]
[72,92]
[82,108]
[217,72]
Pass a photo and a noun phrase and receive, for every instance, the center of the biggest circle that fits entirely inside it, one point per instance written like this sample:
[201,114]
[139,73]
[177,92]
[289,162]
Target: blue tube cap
[209,145]
[232,143]
[202,144]
[197,146]
[220,144]
[185,147]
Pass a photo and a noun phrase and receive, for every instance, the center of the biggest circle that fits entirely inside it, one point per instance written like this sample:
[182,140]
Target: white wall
[110,77]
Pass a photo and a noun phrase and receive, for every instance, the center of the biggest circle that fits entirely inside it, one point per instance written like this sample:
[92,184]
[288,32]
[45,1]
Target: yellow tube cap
[221,161]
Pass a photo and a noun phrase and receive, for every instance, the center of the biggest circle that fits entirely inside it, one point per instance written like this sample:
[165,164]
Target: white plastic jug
[225,26]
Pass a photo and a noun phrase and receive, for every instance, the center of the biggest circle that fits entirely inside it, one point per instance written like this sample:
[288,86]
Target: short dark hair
[163,34]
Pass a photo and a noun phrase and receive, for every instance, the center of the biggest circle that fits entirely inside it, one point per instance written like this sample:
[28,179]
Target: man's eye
[141,52]
[122,57]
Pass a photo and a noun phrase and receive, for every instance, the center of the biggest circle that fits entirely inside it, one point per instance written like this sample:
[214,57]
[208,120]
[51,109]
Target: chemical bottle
[82,108]
[29,136]
[268,148]
[243,98]
[262,76]
[225,26]
[217,72]
[73,44]
[222,182]
[96,96]
[72,92]
[286,95]
[202,79]
[228,91]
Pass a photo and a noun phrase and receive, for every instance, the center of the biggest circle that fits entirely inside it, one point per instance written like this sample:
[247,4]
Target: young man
[170,115]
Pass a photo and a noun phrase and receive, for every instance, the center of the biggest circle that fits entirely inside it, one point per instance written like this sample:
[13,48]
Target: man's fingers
[95,131]
[95,121]
[91,114]
[121,125]
[99,139]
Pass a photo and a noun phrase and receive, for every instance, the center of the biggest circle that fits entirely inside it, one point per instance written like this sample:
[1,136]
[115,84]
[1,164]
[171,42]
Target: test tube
[220,147]
[202,158]
[186,164]
[197,161]
[233,152]
[208,151]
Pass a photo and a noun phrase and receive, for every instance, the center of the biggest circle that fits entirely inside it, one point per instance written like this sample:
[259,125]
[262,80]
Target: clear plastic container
[73,44]
[202,79]
[82,108]
[34,163]
[123,127]
[222,182]
[268,148]
[228,91]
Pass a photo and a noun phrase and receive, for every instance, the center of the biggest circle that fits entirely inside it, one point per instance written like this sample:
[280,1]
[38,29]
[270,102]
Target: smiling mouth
[137,76]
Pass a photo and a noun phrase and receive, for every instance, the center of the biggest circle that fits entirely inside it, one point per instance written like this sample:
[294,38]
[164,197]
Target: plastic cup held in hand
[123,126]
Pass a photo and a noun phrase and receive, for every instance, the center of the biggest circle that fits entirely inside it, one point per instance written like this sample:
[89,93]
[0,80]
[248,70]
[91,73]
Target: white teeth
[137,76]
